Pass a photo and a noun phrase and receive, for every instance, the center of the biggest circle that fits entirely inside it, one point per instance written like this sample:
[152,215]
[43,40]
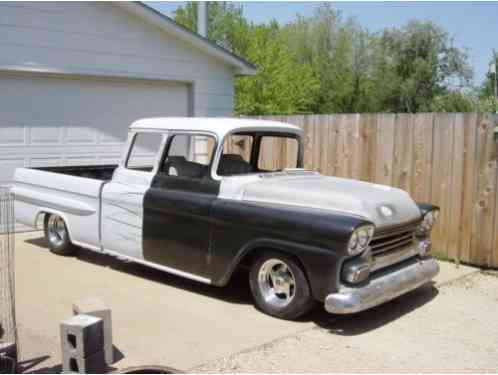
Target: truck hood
[380,204]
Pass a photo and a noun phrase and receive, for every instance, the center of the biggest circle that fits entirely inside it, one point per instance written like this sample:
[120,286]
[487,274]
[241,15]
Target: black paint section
[426,207]
[97,172]
[318,238]
[176,227]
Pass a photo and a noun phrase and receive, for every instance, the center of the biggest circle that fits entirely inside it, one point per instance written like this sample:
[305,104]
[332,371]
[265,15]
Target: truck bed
[72,192]
[97,172]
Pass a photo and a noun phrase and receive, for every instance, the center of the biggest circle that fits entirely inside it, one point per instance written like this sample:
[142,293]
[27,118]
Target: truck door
[176,226]
[123,196]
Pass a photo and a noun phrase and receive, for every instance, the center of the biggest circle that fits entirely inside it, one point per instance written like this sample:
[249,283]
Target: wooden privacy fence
[448,159]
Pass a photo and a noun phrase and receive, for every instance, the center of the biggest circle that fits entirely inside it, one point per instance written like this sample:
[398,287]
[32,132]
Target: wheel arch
[306,256]
[49,211]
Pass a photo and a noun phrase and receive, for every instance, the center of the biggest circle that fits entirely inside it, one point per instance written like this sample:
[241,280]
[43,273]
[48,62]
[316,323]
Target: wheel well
[40,219]
[250,257]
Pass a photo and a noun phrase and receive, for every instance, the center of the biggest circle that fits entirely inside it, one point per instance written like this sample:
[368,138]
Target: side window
[189,156]
[144,151]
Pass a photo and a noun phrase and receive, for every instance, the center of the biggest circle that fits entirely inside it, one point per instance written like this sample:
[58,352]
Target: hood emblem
[386,211]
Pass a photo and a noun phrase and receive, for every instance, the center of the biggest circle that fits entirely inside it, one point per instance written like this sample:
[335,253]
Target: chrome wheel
[56,229]
[276,283]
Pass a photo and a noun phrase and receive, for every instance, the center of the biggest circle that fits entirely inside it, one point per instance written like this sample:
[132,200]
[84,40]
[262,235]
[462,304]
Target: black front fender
[321,266]
[317,238]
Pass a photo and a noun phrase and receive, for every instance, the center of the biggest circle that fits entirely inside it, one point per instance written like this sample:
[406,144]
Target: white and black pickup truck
[202,197]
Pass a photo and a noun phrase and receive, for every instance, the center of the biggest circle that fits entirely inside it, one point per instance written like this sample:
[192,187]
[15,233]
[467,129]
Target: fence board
[484,215]
[422,155]
[494,261]
[445,159]
[456,195]
[385,149]
[354,157]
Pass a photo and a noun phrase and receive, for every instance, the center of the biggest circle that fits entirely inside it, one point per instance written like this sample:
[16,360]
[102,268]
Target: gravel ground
[450,329]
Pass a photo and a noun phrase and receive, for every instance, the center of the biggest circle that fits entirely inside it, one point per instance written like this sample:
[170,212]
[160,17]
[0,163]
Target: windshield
[261,152]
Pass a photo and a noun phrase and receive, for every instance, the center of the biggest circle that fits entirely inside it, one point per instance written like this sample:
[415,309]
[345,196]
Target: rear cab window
[258,152]
[277,153]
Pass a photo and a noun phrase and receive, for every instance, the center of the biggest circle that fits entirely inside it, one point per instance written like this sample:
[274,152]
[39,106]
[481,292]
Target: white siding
[104,39]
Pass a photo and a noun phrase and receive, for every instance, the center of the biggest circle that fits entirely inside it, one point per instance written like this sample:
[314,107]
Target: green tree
[426,65]
[325,64]
[488,90]
[281,85]
[226,24]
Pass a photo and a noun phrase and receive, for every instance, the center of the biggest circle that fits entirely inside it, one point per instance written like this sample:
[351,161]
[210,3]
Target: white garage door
[48,121]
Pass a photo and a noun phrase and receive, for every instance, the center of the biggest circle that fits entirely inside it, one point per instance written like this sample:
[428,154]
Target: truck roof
[218,125]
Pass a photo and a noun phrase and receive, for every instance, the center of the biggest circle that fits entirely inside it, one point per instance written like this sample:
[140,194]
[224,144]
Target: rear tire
[57,235]
[280,287]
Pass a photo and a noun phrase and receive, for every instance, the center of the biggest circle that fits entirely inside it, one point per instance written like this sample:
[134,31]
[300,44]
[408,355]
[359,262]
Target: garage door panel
[46,121]
[45,161]
[45,135]
[81,135]
[12,135]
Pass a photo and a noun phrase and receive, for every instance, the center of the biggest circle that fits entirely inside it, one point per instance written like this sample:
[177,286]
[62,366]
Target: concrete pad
[449,272]
[158,319]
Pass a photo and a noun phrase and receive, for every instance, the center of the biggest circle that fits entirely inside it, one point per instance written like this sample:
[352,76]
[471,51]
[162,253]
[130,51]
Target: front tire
[280,287]
[57,235]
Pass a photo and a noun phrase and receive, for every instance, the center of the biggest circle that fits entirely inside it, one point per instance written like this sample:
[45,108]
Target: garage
[74,76]
[57,121]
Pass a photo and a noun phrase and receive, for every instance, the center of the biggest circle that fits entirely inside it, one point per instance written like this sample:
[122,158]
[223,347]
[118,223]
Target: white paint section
[309,189]
[122,212]
[56,121]
[218,126]
[75,199]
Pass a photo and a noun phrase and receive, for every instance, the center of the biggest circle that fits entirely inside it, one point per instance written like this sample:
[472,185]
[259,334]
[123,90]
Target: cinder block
[93,364]
[95,307]
[81,336]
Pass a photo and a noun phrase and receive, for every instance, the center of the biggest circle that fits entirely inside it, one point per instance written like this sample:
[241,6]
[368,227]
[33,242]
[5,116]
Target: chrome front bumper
[382,288]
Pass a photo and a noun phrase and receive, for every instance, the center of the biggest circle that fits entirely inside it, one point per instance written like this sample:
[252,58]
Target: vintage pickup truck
[203,197]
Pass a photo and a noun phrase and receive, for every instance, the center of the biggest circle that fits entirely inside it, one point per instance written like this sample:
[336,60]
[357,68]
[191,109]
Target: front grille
[393,238]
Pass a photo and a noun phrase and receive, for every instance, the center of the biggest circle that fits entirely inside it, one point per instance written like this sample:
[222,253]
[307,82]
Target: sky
[474,25]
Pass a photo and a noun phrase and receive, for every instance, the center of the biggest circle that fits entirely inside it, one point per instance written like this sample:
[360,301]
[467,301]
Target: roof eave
[165,23]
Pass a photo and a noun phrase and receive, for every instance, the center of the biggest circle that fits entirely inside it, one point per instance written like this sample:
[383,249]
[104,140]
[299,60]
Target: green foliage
[326,64]
[226,24]
[281,85]
[454,101]
[425,63]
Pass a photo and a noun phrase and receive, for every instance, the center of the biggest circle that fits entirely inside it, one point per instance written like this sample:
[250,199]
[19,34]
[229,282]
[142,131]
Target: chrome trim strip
[382,261]
[383,288]
[381,250]
[173,271]
[391,231]
[408,235]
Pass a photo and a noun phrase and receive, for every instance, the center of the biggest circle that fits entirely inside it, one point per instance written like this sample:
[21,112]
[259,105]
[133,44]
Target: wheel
[57,235]
[279,286]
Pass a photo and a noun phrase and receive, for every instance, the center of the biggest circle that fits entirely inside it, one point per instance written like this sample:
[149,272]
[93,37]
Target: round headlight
[353,242]
[363,237]
[360,239]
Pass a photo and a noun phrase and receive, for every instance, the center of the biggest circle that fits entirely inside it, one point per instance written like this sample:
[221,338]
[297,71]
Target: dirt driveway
[162,319]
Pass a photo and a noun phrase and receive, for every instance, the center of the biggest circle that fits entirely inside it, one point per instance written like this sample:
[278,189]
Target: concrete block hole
[73,364]
[72,340]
